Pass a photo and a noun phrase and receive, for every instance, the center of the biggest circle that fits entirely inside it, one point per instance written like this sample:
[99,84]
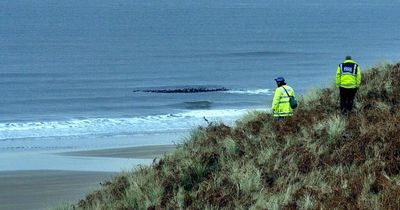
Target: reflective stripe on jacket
[280,104]
[348,75]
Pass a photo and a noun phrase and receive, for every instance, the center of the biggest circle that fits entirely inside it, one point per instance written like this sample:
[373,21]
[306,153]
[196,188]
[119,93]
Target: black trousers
[347,96]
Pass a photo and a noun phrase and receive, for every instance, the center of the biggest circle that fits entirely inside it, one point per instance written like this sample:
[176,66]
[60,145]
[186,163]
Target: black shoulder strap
[286,92]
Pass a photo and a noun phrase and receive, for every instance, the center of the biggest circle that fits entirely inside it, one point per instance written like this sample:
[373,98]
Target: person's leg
[342,100]
[351,96]
[347,100]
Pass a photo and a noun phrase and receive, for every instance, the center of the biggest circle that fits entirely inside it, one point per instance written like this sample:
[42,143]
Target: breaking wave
[251,92]
[117,126]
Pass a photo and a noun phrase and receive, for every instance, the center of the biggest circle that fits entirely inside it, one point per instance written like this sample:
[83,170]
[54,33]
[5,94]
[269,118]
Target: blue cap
[279,79]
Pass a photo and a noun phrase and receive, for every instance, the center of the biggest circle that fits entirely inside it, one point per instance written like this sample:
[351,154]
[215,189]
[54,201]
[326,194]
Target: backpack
[292,100]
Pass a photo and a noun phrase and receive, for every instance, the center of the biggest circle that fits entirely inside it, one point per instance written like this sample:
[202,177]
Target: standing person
[281,106]
[348,79]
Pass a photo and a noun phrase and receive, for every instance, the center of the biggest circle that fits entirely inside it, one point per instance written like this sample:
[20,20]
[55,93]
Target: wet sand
[44,189]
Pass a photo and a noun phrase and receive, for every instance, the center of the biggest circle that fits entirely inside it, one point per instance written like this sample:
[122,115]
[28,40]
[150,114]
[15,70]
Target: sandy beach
[44,189]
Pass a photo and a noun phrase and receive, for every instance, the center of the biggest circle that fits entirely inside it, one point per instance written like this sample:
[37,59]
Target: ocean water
[86,69]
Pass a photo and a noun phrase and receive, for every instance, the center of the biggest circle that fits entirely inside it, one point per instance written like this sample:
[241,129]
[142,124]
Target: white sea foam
[251,92]
[116,126]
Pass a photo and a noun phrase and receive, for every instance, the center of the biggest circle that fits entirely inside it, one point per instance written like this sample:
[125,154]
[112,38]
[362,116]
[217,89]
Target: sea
[88,74]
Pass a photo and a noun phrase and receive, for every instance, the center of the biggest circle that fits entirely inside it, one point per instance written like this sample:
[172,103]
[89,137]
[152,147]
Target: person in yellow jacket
[280,105]
[348,80]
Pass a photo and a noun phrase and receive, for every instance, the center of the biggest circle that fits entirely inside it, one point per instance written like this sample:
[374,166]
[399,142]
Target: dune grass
[317,159]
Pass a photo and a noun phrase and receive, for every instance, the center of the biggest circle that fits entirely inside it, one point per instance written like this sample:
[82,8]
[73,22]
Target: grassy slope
[317,159]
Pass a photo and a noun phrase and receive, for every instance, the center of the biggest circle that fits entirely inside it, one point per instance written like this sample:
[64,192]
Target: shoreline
[139,152]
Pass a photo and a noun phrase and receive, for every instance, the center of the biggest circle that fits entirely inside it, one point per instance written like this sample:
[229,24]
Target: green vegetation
[315,160]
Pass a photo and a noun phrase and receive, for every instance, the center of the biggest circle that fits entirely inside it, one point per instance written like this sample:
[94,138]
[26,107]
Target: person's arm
[275,101]
[358,76]
[338,76]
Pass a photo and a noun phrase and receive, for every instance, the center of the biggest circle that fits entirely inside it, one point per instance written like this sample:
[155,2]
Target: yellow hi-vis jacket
[280,104]
[348,75]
